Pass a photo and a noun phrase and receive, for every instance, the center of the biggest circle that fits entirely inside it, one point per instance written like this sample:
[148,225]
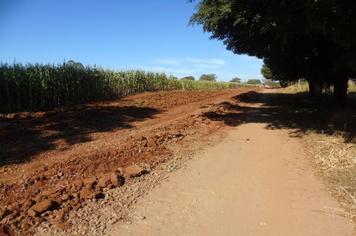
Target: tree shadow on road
[290,111]
[22,137]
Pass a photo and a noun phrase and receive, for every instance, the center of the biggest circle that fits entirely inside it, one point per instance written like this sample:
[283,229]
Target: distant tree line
[188,78]
[203,77]
[213,78]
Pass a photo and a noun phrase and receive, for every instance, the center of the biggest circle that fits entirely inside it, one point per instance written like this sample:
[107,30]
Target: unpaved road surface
[54,169]
[54,163]
[257,181]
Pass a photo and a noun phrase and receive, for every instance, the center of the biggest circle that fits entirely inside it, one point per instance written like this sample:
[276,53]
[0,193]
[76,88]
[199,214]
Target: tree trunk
[315,88]
[340,90]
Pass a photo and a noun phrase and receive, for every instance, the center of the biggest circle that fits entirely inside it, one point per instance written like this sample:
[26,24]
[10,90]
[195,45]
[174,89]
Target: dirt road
[67,152]
[255,181]
[258,181]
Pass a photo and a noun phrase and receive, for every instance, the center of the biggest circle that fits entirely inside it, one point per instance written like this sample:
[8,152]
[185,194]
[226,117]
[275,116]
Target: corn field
[41,87]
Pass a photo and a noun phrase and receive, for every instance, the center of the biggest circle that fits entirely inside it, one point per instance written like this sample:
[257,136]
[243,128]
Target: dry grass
[352,87]
[302,86]
[299,87]
[334,155]
[337,162]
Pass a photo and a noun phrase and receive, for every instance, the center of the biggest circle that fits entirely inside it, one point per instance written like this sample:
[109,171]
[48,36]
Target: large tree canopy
[310,39]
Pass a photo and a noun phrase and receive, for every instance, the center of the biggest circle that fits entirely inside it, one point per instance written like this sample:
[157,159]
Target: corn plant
[41,87]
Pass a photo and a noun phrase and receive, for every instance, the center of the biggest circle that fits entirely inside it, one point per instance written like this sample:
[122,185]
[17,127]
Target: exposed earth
[242,186]
[81,170]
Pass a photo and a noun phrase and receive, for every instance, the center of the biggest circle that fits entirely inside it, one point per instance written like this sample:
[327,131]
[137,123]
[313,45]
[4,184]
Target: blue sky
[117,34]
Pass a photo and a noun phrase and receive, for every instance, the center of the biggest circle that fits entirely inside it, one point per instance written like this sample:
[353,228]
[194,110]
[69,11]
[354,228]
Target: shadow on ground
[23,137]
[290,111]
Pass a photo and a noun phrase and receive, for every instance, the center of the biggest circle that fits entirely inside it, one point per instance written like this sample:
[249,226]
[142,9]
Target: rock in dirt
[90,194]
[90,182]
[134,171]
[87,193]
[117,179]
[43,206]
[104,181]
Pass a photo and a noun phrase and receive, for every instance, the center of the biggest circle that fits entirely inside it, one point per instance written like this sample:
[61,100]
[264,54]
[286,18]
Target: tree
[208,77]
[267,73]
[270,77]
[314,40]
[74,64]
[236,80]
[253,81]
[188,78]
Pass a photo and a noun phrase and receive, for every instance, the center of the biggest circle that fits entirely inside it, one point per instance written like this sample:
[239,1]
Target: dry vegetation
[303,86]
[336,159]
[334,155]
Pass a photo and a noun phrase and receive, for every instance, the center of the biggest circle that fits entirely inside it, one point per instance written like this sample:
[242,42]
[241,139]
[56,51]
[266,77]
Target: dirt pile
[58,201]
